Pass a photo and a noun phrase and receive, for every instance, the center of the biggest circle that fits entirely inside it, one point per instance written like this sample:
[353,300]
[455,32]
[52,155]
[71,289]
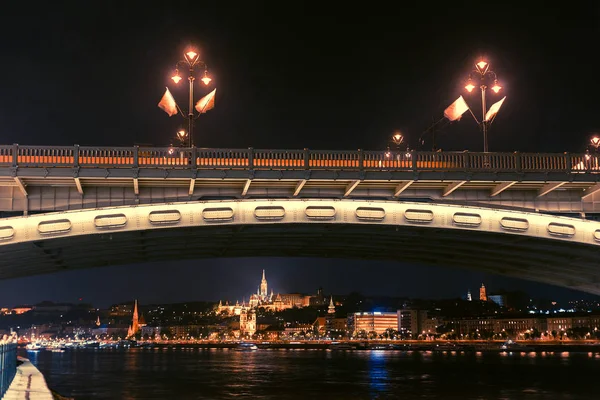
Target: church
[136,323]
[262,298]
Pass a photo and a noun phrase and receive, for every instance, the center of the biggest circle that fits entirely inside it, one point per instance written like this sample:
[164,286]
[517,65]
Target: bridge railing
[204,158]
[8,365]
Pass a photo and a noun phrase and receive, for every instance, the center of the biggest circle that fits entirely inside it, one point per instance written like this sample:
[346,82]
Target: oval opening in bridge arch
[597,235]
[164,217]
[565,230]
[54,227]
[269,213]
[370,213]
[110,221]
[466,219]
[422,216]
[514,224]
[320,212]
[6,232]
[217,214]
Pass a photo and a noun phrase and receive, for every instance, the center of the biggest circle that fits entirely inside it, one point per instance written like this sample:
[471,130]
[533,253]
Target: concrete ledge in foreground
[29,383]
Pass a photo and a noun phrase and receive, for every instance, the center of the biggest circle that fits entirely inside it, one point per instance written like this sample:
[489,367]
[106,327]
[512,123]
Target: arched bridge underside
[544,248]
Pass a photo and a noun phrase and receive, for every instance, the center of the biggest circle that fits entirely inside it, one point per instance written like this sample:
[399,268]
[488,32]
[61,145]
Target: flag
[167,103]
[456,109]
[493,110]
[206,103]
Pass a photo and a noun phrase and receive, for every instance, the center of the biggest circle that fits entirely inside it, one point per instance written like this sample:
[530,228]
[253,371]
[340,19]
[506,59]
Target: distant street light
[485,76]
[595,142]
[397,140]
[191,61]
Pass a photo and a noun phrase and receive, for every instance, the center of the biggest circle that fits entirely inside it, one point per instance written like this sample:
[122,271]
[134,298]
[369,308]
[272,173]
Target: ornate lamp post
[483,75]
[191,61]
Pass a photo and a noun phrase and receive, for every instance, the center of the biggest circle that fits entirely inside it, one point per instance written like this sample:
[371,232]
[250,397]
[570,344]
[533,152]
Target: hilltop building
[263,299]
[482,293]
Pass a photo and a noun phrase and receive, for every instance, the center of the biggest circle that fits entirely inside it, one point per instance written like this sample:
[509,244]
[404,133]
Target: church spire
[331,308]
[263,286]
[135,320]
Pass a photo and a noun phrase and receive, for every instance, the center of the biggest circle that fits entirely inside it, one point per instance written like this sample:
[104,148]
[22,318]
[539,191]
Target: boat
[33,346]
[341,346]
[246,347]
[509,345]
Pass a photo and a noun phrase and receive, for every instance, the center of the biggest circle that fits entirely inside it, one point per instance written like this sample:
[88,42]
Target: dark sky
[290,75]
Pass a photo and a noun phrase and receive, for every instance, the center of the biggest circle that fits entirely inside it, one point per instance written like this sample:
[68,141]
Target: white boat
[246,347]
[33,346]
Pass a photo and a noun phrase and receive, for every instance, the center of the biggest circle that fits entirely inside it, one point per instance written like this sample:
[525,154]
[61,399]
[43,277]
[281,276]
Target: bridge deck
[54,178]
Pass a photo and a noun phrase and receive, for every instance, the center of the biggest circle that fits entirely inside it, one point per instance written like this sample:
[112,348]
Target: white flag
[494,110]
[456,109]
[167,103]
[206,103]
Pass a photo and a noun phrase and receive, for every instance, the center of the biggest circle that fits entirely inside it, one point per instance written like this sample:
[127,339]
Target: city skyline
[103,289]
[290,81]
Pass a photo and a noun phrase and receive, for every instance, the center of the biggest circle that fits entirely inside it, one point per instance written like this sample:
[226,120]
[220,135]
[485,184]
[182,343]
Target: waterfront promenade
[28,383]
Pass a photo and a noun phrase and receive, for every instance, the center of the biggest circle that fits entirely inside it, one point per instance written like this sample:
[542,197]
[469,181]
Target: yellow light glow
[191,55]
[397,138]
[595,141]
[496,88]
[481,65]
[205,79]
[176,78]
[181,134]
[470,87]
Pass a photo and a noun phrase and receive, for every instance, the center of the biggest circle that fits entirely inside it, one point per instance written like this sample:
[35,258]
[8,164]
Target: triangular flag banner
[494,110]
[456,109]
[167,103]
[206,103]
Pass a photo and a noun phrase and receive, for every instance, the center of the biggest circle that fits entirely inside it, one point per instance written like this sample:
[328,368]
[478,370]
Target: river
[277,374]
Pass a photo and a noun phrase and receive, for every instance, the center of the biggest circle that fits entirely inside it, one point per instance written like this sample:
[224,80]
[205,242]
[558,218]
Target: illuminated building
[330,315]
[134,328]
[263,299]
[247,322]
[377,322]
[415,322]
[21,310]
[499,299]
[482,294]
[469,297]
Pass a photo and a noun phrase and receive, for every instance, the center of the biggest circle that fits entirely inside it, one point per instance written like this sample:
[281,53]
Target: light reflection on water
[192,373]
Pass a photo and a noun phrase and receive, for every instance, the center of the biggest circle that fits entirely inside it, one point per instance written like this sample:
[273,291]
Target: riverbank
[393,345]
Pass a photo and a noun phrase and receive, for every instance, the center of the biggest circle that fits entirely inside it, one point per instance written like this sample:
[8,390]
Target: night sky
[291,75]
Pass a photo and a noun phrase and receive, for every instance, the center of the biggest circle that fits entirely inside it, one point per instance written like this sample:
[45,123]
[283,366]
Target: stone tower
[263,287]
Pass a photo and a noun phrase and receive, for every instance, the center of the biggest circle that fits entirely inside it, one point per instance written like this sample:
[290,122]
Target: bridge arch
[544,248]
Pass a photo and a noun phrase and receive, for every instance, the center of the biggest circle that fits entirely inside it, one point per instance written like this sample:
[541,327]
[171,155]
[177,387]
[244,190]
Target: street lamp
[595,142]
[191,61]
[485,76]
[397,140]
[182,136]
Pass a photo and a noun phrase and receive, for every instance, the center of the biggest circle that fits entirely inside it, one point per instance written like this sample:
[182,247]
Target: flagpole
[191,107]
[483,121]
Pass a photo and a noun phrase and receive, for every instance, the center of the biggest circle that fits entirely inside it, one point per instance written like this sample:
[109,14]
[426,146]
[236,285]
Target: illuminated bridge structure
[530,216]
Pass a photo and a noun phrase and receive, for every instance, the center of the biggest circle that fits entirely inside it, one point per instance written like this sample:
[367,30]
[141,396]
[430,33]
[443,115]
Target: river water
[192,373]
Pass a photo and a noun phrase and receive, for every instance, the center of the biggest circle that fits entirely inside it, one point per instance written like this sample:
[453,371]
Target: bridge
[526,215]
